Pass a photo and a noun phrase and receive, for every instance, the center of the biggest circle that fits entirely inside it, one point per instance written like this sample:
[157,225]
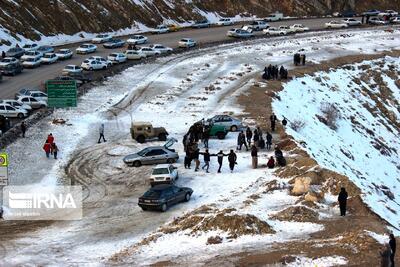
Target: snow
[320,262]
[338,88]
[382,239]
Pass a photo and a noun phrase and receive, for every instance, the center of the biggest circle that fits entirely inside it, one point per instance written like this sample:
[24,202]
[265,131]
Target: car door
[169,197]
[179,194]
[11,111]
[3,111]
[161,156]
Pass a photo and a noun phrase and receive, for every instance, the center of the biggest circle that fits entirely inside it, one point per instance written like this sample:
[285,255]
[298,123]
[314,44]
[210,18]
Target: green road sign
[61,94]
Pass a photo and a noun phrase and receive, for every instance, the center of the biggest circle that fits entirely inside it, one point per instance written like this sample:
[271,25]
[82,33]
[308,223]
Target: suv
[259,25]
[141,131]
[11,69]
[230,124]
[163,174]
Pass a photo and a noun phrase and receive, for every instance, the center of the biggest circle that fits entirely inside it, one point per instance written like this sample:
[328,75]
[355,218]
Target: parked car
[372,12]
[239,33]
[348,14]
[149,52]
[214,130]
[17,104]
[201,24]
[396,20]
[31,54]
[49,58]
[114,43]
[160,29]
[160,48]
[8,60]
[225,22]
[336,25]
[351,22]
[161,197]
[11,69]
[378,21]
[137,39]
[9,111]
[388,13]
[117,58]
[64,54]
[23,92]
[15,52]
[230,123]
[299,28]
[32,62]
[142,131]
[187,43]
[259,25]
[102,59]
[45,49]
[71,69]
[91,64]
[153,155]
[101,38]
[134,54]
[30,47]
[274,31]
[38,95]
[287,28]
[163,174]
[32,101]
[86,49]
[274,17]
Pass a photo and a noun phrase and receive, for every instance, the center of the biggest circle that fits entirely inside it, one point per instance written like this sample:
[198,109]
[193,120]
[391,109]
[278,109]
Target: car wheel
[20,116]
[137,164]
[140,139]
[170,161]
[187,197]
[221,135]
[162,137]
[143,208]
[164,207]
[90,68]
[234,128]
[104,68]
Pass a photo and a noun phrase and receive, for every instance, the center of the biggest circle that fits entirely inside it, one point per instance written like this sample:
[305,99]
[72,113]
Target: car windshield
[153,193]
[48,56]
[84,46]
[30,59]
[113,55]
[143,152]
[7,60]
[160,171]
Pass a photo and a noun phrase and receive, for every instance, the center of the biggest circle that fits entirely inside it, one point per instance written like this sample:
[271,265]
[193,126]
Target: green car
[218,131]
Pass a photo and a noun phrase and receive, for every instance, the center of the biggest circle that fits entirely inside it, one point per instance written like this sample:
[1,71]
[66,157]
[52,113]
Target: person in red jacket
[50,138]
[271,163]
[47,148]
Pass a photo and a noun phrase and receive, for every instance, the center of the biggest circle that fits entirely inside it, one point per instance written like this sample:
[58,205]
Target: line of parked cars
[25,101]
[247,31]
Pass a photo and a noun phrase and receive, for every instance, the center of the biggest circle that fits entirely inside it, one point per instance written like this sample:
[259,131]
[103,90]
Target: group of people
[50,147]
[197,132]
[274,73]
[299,59]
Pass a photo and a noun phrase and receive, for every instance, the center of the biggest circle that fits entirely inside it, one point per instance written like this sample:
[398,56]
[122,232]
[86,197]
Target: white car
[17,104]
[187,43]
[32,62]
[160,29]
[116,58]
[71,69]
[8,60]
[274,31]
[164,173]
[9,111]
[49,58]
[102,59]
[396,20]
[388,13]
[351,22]
[32,101]
[30,47]
[64,54]
[225,22]
[299,28]
[101,38]
[336,25]
[137,39]
[378,21]
[92,64]
[86,49]
[30,54]
[38,95]
[286,28]
[149,52]
[134,54]
[259,25]
[239,33]
[162,49]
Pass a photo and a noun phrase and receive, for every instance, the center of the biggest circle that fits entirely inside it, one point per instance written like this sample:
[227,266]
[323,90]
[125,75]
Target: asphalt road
[35,78]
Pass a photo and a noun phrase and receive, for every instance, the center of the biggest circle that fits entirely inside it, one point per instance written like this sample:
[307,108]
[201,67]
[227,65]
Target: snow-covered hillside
[366,145]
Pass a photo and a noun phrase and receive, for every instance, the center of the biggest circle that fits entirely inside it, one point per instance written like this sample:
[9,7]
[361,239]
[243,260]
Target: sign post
[61,94]
[3,169]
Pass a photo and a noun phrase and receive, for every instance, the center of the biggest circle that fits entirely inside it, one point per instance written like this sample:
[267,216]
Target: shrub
[330,114]
[297,125]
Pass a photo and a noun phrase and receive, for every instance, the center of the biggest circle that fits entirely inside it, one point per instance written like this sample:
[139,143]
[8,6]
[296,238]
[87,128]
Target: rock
[313,196]
[214,240]
[301,186]
[297,214]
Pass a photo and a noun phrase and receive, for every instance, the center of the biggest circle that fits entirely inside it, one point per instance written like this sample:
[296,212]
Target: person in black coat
[269,140]
[195,157]
[220,158]
[206,157]
[273,120]
[206,136]
[188,159]
[23,128]
[232,160]
[342,198]
[392,244]
[256,137]
[249,135]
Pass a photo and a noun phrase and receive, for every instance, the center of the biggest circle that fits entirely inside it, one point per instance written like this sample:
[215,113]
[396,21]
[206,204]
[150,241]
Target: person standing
[206,136]
[392,244]
[269,140]
[271,163]
[101,132]
[50,138]
[54,149]
[273,120]
[249,135]
[256,138]
[206,158]
[188,159]
[3,54]
[196,155]
[254,157]
[241,140]
[342,198]
[232,160]
[47,148]
[23,129]
[220,157]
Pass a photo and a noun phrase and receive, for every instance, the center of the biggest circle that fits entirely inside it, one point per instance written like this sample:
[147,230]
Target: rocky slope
[31,19]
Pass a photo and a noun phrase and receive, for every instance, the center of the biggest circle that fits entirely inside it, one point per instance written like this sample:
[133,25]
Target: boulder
[313,196]
[301,186]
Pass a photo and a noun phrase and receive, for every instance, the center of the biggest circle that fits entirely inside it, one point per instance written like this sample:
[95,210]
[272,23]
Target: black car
[160,197]
[114,43]
[349,14]
[11,69]
[80,76]
[16,52]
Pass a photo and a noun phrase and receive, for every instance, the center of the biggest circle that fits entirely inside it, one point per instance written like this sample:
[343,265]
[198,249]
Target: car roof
[154,147]
[159,166]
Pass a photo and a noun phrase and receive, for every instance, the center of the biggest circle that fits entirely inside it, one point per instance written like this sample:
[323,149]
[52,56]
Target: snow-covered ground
[366,145]
[175,92]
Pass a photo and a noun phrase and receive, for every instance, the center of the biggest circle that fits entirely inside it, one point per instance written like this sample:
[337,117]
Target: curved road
[35,78]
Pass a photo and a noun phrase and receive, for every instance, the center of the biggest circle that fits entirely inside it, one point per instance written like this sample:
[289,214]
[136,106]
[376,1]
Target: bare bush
[330,114]
[297,125]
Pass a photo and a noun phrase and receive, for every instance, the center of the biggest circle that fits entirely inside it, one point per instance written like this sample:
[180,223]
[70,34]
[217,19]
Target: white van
[274,17]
